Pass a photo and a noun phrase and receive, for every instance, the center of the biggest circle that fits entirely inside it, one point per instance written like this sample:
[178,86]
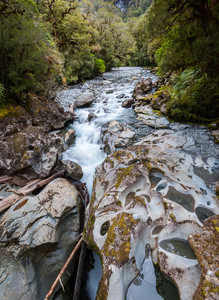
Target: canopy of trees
[182,37]
[43,41]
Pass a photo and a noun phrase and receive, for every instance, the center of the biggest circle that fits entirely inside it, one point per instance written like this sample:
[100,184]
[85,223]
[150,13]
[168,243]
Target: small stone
[216,135]
[109,91]
[70,136]
[91,116]
[128,103]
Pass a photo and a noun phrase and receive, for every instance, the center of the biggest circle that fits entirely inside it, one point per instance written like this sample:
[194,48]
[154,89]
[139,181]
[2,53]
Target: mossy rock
[13,118]
[46,113]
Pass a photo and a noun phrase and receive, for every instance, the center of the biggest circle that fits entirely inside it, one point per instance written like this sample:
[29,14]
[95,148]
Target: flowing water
[109,95]
[110,91]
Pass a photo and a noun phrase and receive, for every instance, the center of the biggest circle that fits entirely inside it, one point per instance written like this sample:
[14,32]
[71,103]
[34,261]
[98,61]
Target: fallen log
[30,187]
[63,269]
[15,180]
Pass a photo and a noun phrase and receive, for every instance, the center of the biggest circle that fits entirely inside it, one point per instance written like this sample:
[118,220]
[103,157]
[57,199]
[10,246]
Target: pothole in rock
[157,229]
[178,246]
[155,176]
[20,204]
[165,286]
[185,200]
[161,186]
[105,227]
[203,213]
[152,284]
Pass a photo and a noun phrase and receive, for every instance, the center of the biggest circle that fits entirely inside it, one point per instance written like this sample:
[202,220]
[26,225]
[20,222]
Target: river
[110,91]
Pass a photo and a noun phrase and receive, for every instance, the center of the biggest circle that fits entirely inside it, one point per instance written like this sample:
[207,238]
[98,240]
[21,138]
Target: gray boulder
[73,170]
[37,234]
[14,120]
[109,134]
[84,99]
[143,87]
[31,152]
[47,114]
[125,138]
[128,103]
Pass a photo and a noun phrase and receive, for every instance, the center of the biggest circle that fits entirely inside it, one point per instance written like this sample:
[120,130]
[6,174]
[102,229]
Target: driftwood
[58,279]
[16,180]
[5,178]
[77,287]
[30,187]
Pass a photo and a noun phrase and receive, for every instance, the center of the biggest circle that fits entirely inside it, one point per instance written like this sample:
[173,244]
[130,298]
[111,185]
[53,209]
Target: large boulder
[13,119]
[84,99]
[125,138]
[37,235]
[144,195]
[31,152]
[116,135]
[47,114]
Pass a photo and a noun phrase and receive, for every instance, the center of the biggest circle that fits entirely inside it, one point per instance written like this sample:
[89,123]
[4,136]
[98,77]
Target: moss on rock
[205,246]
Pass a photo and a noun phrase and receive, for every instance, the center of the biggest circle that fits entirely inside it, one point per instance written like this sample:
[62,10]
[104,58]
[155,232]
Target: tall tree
[29,60]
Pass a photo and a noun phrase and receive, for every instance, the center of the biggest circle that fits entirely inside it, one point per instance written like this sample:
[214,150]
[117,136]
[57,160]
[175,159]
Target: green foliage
[182,37]
[134,8]
[116,42]
[194,98]
[2,93]
[99,65]
[29,60]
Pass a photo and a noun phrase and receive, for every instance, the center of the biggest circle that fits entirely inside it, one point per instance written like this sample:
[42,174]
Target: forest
[46,43]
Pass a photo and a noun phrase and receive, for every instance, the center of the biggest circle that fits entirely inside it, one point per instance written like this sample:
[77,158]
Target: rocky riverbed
[152,185]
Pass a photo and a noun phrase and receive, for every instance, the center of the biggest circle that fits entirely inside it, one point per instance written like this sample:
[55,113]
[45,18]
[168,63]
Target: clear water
[151,284]
[185,200]
[179,247]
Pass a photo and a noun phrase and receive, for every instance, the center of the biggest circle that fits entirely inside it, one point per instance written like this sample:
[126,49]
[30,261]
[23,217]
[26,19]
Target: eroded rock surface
[147,194]
[37,234]
[116,135]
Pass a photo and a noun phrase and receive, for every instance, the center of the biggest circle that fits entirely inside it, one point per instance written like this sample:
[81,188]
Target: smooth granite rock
[37,234]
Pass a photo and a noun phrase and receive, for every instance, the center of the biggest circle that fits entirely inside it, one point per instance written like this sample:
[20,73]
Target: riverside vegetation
[45,43]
